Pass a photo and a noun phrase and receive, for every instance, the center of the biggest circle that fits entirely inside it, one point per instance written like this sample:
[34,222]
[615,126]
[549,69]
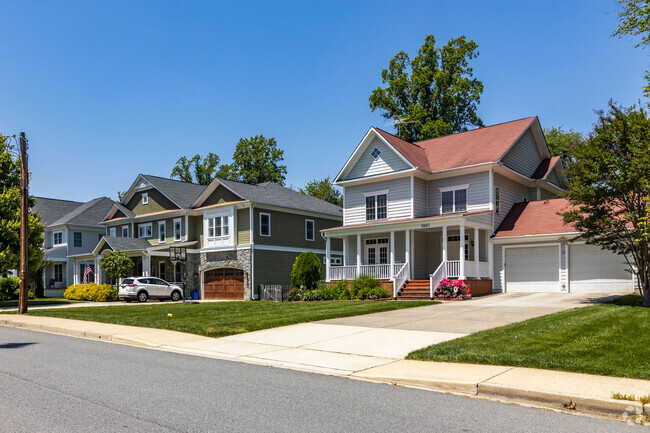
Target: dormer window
[375,153]
[454,199]
[145,198]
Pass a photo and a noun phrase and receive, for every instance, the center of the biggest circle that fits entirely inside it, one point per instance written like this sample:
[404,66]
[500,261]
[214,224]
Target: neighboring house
[473,205]
[71,229]
[237,236]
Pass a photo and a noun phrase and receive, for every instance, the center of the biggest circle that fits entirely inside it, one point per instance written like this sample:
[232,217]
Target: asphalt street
[51,383]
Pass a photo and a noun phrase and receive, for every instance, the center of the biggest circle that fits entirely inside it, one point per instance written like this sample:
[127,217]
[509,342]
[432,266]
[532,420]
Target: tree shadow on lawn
[632,300]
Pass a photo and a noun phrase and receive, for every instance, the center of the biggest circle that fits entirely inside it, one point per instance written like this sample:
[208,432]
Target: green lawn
[38,301]
[218,319]
[608,339]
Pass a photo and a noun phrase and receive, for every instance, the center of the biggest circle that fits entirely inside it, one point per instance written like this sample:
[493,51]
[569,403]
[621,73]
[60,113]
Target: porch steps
[414,290]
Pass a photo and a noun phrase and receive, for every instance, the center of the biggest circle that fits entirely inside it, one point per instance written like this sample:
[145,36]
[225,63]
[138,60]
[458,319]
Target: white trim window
[125,231]
[309,230]
[453,200]
[217,229]
[112,232]
[57,238]
[58,273]
[265,224]
[162,232]
[178,229]
[497,200]
[376,207]
[145,230]
[145,198]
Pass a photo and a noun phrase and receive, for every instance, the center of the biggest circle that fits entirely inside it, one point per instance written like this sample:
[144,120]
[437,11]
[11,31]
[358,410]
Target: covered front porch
[413,251]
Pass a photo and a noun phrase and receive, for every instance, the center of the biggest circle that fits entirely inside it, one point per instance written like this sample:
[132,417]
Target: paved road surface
[55,383]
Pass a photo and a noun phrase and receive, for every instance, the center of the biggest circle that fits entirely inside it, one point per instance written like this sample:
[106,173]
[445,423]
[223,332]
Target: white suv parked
[143,288]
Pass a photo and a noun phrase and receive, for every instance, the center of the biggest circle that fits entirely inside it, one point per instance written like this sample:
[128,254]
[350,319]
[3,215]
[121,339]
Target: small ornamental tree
[116,265]
[306,270]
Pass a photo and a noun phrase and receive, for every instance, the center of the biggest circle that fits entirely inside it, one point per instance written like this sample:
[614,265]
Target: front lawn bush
[91,292]
[306,270]
[361,283]
[342,290]
[10,289]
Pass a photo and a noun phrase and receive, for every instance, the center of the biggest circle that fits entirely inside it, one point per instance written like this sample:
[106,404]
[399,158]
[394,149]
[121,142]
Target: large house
[235,236]
[480,205]
[71,228]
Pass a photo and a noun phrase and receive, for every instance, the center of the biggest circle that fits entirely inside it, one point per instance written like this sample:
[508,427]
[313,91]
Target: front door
[377,251]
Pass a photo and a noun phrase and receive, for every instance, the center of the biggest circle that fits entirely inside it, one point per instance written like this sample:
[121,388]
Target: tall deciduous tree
[197,170]
[561,143]
[10,216]
[324,190]
[255,160]
[634,20]
[433,95]
[610,188]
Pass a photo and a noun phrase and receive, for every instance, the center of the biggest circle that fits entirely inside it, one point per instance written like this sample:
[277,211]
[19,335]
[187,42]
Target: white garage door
[592,269]
[532,269]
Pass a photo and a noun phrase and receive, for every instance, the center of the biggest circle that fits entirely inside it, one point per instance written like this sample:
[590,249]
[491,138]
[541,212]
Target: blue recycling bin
[195,295]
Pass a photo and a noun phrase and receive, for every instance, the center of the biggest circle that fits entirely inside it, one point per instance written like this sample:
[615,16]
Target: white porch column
[407,249]
[345,250]
[328,242]
[462,252]
[392,253]
[476,253]
[444,243]
[358,255]
[146,265]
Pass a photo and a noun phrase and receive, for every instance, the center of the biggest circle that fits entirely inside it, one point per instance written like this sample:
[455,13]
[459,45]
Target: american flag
[87,272]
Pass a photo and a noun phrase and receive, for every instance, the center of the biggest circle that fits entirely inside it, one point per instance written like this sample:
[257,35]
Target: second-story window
[145,197]
[112,232]
[162,232]
[309,230]
[454,201]
[217,227]
[177,229]
[265,224]
[58,238]
[145,230]
[497,200]
[376,207]
[77,239]
[125,231]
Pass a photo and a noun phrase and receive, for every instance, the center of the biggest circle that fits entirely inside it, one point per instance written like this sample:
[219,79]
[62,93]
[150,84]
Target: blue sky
[109,89]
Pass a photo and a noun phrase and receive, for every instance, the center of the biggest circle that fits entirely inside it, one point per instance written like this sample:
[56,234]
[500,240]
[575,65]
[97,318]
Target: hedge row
[363,287]
[91,292]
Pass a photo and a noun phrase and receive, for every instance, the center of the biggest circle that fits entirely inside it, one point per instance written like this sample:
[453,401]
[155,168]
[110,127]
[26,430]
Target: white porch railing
[343,272]
[453,269]
[381,272]
[435,278]
[401,276]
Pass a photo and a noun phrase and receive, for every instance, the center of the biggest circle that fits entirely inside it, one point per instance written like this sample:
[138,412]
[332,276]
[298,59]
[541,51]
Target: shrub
[452,289]
[9,288]
[306,270]
[360,283]
[91,292]
[294,294]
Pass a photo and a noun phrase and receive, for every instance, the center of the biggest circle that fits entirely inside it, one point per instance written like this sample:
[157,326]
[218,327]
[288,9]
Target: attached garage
[223,283]
[532,269]
[592,269]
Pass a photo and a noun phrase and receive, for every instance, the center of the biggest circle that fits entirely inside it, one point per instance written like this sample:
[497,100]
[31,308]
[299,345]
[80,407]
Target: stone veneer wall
[240,259]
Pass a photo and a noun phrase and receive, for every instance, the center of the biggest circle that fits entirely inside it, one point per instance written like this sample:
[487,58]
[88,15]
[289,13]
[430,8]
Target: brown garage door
[223,283]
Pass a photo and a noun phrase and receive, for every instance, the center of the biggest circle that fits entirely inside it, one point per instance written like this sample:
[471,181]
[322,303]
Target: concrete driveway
[346,345]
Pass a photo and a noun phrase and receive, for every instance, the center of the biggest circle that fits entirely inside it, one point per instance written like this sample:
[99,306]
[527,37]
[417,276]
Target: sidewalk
[310,350]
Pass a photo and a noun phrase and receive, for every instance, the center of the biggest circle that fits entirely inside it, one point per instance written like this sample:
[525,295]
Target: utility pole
[24,229]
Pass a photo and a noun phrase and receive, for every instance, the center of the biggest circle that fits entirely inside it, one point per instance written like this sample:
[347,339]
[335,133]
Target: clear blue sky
[109,89]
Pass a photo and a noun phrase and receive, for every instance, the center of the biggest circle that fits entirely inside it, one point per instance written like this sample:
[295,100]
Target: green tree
[433,95]
[255,160]
[324,190]
[610,186]
[121,195]
[196,170]
[634,20]
[116,265]
[10,216]
[306,270]
[561,143]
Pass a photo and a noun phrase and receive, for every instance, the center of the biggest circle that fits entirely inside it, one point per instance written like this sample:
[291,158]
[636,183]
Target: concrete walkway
[373,347]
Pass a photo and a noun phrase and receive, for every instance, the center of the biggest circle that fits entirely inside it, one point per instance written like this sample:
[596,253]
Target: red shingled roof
[535,218]
[463,149]
[545,168]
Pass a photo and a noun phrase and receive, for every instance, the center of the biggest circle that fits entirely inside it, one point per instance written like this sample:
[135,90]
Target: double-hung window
[162,232]
[454,200]
[77,239]
[497,200]
[111,232]
[177,229]
[57,238]
[265,224]
[218,227]
[145,230]
[376,207]
[125,231]
[309,230]
[58,273]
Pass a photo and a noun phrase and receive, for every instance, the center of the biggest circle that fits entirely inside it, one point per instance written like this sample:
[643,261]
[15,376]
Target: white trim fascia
[517,139]
[363,144]
[131,191]
[454,188]
[466,169]
[538,133]
[382,192]
[175,244]
[376,177]
[526,238]
[293,249]
[529,182]
[226,248]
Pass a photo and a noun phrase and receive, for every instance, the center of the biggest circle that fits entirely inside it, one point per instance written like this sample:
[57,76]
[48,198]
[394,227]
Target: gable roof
[122,244]
[277,195]
[183,194]
[535,218]
[88,214]
[545,168]
[51,209]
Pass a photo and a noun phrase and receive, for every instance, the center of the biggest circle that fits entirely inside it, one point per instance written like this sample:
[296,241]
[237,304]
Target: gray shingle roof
[124,210]
[273,194]
[181,193]
[51,209]
[88,214]
[126,244]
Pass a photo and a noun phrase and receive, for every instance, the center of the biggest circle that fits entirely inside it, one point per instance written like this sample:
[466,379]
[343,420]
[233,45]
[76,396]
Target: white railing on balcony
[381,272]
[401,276]
[435,278]
[453,268]
[343,273]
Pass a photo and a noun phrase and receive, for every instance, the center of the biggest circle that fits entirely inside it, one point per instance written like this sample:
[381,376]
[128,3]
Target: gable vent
[375,153]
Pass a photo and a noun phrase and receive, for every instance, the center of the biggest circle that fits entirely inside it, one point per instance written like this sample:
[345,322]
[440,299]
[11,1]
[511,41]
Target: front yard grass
[38,301]
[611,339]
[218,319]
